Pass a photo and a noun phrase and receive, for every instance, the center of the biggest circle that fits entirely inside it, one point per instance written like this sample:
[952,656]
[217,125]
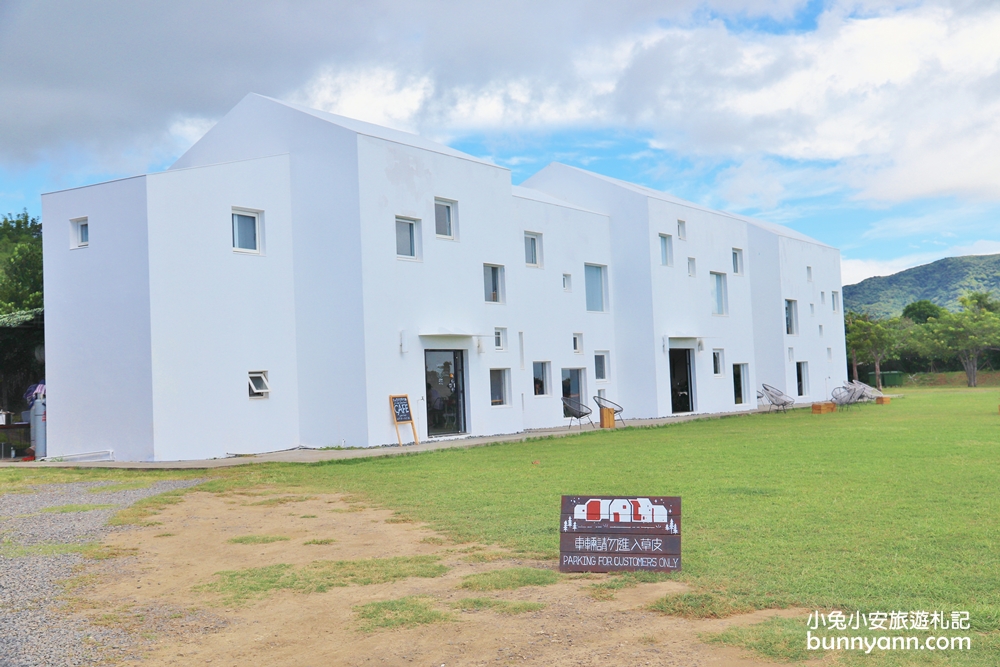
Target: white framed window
[499,338]
[540,373]
[259,386]
[578,343]
[809,274]
[682,230]
[533,249]
[601,368]
[718,362]
[835,301]
[79,233]
[493,283]
[596,282]
[445,219]
[407,238]
[720,297]
[692,268]
[499,386]
[737,262]
[567,282]
[802,377]
[246,231]
[666,250]
[791,317]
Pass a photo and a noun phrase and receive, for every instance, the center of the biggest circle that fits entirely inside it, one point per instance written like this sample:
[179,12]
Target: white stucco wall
[97,322]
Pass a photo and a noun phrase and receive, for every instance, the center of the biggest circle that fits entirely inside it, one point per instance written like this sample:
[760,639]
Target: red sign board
[620,534]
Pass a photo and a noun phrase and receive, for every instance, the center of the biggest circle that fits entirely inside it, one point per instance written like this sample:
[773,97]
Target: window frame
[802,378]
[718,362]
[258,230]
[809,274]
[504,387]
[737,261]
[577,343]
[414,224]
[791,317]
[835,300]
[76,232]
[537,238]
[605,355]
[567,282]
[501,290]
[720,301]
[692,267]
[682,230]
[545,378]
[452,207]
[500,335]
[256,393]
[603,275]
[666,250]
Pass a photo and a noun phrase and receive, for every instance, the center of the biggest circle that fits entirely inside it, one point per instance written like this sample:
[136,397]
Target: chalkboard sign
[401,409]
[401,415]
[620,534]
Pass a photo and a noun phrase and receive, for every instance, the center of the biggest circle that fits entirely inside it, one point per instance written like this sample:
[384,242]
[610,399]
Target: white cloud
[855,270]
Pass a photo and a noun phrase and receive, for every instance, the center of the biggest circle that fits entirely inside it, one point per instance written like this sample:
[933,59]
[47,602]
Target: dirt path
[303,629]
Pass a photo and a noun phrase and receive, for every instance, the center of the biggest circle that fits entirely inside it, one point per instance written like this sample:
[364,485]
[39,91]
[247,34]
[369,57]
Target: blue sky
[871,125]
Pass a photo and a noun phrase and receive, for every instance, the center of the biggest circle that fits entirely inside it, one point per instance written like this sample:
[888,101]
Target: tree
[21,281]
[875,340]
[920,311]
[850,318]
[965,335]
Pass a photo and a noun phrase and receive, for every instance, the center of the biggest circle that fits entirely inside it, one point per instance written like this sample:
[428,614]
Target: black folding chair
[577,410]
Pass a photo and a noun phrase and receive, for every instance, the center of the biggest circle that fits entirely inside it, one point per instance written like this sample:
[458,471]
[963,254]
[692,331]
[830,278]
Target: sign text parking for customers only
[620,534]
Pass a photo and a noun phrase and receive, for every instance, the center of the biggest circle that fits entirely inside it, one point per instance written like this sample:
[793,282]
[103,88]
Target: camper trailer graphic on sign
[635,511]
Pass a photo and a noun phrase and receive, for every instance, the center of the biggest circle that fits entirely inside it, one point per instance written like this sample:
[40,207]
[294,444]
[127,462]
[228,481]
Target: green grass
[11,550]
[402,613]
[239,586]
[509,579]
[320,542]
[499,606]
[877,508]
[257,539]
[281,500]
[65,509]
[605,590]
[780,639]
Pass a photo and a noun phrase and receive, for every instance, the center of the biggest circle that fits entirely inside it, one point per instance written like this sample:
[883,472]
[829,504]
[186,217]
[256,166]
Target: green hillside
[940,282]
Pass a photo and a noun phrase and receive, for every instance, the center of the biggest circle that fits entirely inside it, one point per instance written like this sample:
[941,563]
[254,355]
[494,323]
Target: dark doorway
[445,378]
[680,381]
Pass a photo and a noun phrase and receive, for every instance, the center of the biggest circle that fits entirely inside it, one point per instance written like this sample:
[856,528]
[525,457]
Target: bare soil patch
[192,541]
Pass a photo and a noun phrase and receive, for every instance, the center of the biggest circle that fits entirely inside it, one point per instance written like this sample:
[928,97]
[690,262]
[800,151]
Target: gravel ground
[35,630]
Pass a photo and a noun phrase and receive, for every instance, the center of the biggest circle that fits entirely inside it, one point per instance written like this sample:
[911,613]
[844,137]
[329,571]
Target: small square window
[79,233]
[682,230]
[601,365]
[809,273]
[406,238]
[493,283]
[246,231]
[499,392]
[259,386]
[691,266]
[578,343]
[540,371]
[444,218]
[567,282]
[666,250]
[717,362]
[500,338]
[532,249]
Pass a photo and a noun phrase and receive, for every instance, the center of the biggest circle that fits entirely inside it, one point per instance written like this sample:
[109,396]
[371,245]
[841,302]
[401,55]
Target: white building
[294,269]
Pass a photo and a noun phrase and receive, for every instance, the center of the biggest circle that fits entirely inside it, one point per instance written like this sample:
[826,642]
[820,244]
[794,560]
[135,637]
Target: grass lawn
[880,508]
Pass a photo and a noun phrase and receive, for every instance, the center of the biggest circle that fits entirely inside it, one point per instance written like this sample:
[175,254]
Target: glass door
[572,387]
[445,379]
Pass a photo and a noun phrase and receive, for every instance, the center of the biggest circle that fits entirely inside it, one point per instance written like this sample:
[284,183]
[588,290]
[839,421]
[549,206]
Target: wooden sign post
[401,415]
[620,534]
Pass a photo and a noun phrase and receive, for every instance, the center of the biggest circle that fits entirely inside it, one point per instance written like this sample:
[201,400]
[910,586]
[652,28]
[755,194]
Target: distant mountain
[940,282]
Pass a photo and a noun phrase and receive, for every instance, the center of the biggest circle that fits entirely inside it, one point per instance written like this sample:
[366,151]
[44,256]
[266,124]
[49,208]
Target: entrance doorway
[445,379]
[572,387]
[680,381]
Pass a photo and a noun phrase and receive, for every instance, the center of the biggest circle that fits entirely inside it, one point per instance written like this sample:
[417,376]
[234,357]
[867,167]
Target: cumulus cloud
[853,271]
[887,100]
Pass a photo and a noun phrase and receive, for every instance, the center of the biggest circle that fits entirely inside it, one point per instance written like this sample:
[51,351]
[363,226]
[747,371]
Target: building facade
[294,269]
